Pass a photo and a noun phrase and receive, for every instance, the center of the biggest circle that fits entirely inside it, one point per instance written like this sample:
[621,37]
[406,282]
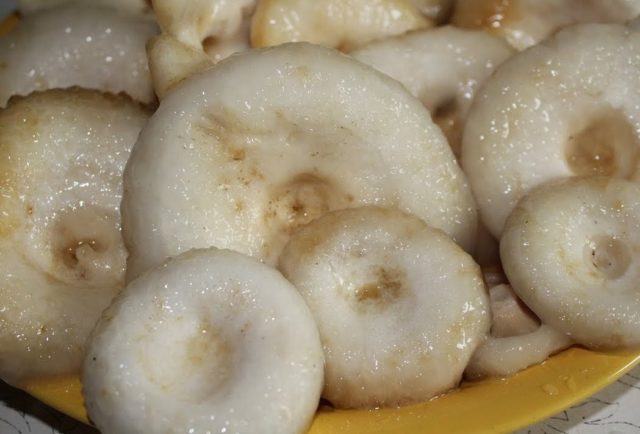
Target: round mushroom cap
[566,107]
[236,162]
[212,341]
[571,252]
[63,258]
[443,68]
[399,305]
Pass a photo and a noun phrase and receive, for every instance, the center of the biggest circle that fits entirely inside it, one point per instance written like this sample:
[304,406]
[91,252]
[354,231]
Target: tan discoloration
[334,23]
[230,132]
[239,206]
[209,43]
[304,198]
[447,117]
[606,146]
[206,342]
[489,15]
[388,286]
[609,256]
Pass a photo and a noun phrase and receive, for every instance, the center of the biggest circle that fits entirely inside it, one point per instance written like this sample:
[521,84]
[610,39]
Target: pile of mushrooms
[221,212]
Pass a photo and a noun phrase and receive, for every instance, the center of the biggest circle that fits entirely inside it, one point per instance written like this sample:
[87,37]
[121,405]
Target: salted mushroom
[195,35]
[76,45]
[400,307]
[211,341]
[524,23]
[63,258]
[509,316]
[517,339]
[505,356]
[219,27]
[242,154]
[570,251]
[565,107]
[443,68]
[137,7]
[342,24]
[172,61]
[437,10]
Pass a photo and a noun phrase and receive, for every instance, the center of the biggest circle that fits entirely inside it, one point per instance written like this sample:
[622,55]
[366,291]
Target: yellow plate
[489,406]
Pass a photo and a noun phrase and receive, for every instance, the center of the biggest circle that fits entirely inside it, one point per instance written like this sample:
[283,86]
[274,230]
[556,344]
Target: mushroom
[195,36]
[399,305]
[570,251]
[517,338]
[524,23]
[565,107]
[509,316]
[211,341]
[63,258]
[219,27]
[242,154]
[436,10]
[443,68]
[342,24]
[74,45]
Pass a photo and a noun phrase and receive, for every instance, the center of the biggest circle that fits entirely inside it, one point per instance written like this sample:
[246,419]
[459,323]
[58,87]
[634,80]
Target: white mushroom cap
[562,108]
[571,251]
[237,162]
[211,341]
[75,45]
[399,305]
[524,23]
[443,68]
[342,24]
[63,259]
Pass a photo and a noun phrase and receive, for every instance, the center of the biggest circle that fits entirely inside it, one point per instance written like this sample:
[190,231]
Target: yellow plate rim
[488,406]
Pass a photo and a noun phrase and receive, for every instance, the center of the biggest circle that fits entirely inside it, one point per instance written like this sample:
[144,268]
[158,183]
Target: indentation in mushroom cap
[205,352]
[86,244]
[303,198]
[388,285]
[607,146]
[609,256]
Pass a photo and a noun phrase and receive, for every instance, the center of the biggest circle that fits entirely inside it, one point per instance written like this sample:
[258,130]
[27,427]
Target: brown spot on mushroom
[303,72]
[608,255]
[607,146]
[490,15]
[387,287]
[238,154]
[209,43]
[230,132]
[80,238]
[304,198]
[239,206]
[447,117]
